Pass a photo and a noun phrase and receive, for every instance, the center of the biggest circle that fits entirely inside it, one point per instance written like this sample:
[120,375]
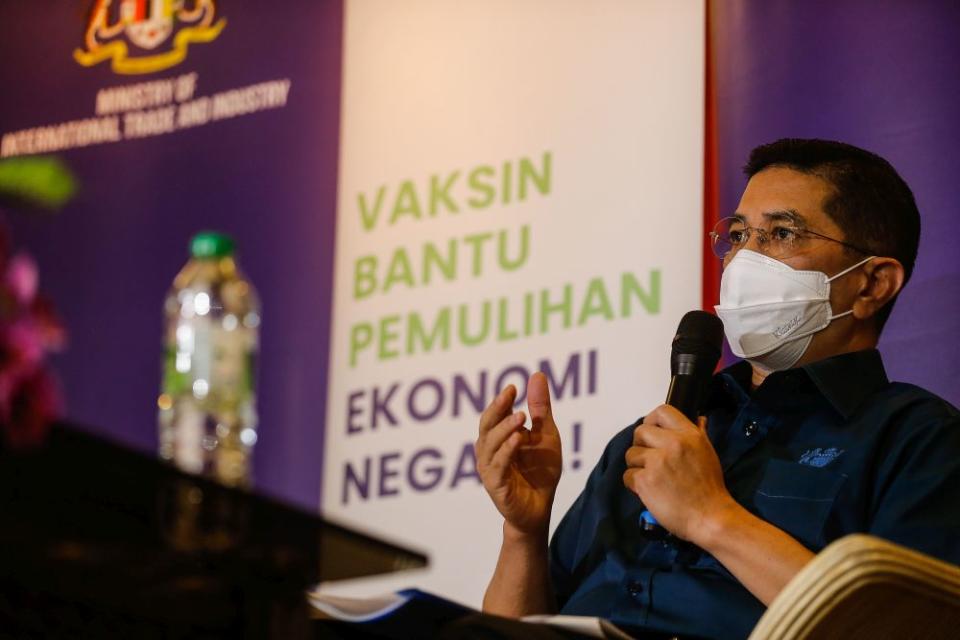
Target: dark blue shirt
[819,451]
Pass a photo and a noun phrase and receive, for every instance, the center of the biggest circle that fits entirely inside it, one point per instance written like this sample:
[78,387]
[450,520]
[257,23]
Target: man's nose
[756,241]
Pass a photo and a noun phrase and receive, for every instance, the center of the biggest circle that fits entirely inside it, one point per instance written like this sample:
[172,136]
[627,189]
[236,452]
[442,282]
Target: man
[801,443]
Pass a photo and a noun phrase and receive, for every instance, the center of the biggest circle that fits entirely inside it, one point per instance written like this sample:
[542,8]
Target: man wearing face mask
[803,442]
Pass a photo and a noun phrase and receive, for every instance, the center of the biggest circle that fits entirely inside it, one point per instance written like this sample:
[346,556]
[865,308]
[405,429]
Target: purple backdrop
[880,75]
[268,178]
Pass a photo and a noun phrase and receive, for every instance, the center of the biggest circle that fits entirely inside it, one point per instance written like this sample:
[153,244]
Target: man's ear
[884,281]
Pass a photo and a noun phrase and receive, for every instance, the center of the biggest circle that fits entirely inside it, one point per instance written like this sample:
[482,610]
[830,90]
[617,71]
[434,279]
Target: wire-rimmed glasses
[782,239]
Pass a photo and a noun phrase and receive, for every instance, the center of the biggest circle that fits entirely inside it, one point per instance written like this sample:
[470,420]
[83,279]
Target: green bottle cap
[210,244]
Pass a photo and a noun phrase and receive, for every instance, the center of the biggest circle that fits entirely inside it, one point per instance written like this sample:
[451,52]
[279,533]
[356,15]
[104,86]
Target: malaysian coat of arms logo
[147,25]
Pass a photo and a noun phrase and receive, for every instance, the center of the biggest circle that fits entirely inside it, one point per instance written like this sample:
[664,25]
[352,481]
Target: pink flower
[22,343]
[29,330]
[33,404]
[22,278]
[51,329]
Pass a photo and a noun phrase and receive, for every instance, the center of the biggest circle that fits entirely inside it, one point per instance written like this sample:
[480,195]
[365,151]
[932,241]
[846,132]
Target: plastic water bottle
[207,404]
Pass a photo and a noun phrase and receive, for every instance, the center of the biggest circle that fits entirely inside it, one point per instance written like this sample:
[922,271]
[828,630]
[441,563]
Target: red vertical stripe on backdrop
[711,195]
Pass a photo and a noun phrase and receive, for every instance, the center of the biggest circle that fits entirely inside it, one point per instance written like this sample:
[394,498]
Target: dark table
[99,541]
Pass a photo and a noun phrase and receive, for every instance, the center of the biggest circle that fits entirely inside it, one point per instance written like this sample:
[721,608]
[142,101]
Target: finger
[636,457]
[490,442]
[538,402]
[499,408]
[702,423]
[648,435]
[632,479]
[667,417]
[500,463]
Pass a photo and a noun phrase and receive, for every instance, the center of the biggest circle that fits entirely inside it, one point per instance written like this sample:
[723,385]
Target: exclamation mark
[575,463]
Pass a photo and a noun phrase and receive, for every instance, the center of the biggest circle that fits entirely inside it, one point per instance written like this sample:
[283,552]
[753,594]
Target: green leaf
[38,181]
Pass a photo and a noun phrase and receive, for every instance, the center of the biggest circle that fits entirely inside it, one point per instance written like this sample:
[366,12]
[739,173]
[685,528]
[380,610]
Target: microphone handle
[682,394]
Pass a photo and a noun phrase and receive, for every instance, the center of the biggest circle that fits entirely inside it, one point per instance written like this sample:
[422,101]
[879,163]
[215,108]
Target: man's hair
[870,203]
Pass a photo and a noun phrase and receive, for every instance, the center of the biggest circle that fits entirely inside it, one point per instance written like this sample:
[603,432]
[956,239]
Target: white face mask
[770,310]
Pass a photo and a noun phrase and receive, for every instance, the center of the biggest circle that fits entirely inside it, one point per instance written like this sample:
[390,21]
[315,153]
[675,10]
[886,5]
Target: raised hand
[520,469]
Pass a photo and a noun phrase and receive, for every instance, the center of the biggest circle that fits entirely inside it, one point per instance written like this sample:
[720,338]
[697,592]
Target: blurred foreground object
[862,587]
[207,405]
[95,545]
[29,328]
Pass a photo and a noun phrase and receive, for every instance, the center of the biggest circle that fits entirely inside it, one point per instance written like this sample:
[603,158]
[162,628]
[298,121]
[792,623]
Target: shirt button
[750,428]
[634,588]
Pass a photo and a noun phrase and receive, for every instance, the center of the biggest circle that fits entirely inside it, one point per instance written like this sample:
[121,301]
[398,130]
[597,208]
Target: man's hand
[674,469]
[520,469]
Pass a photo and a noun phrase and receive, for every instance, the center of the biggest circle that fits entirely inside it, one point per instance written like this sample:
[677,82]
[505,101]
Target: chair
[864,587]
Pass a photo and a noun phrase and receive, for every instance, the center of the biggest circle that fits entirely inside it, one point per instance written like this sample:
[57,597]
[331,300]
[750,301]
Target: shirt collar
[844,380]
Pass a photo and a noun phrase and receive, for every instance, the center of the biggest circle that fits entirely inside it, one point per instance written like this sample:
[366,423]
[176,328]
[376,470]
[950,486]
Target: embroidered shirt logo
[820,457]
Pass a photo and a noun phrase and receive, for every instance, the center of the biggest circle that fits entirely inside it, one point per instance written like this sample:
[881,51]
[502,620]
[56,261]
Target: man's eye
[737,236]
[783,234]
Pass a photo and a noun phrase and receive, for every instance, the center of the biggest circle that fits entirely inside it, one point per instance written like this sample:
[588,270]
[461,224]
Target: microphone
[693,357]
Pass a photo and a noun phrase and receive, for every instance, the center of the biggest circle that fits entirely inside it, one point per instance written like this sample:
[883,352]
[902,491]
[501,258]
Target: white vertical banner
[520,190]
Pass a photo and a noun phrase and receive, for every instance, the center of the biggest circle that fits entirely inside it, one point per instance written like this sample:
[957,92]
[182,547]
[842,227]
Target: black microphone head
[700,334]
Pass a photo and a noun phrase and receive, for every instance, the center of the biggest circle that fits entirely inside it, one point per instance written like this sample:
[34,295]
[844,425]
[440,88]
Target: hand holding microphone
[672,466]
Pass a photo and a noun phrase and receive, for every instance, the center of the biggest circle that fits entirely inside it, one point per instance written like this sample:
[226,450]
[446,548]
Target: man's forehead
[781,194]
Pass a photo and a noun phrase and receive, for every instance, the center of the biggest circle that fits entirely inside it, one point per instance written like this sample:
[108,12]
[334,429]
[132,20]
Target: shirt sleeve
[917,502]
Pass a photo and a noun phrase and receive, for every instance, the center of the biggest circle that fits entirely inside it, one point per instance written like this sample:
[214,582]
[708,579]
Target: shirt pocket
[797,498]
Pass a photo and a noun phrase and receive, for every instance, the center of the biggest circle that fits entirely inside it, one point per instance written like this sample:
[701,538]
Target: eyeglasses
[780,241]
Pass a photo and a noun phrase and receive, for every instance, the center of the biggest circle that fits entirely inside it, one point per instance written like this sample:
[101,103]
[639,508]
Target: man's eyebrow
[777,215]
[788,215]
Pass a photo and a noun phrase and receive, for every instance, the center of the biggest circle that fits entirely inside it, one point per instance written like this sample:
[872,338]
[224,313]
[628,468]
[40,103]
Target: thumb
[538,403]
